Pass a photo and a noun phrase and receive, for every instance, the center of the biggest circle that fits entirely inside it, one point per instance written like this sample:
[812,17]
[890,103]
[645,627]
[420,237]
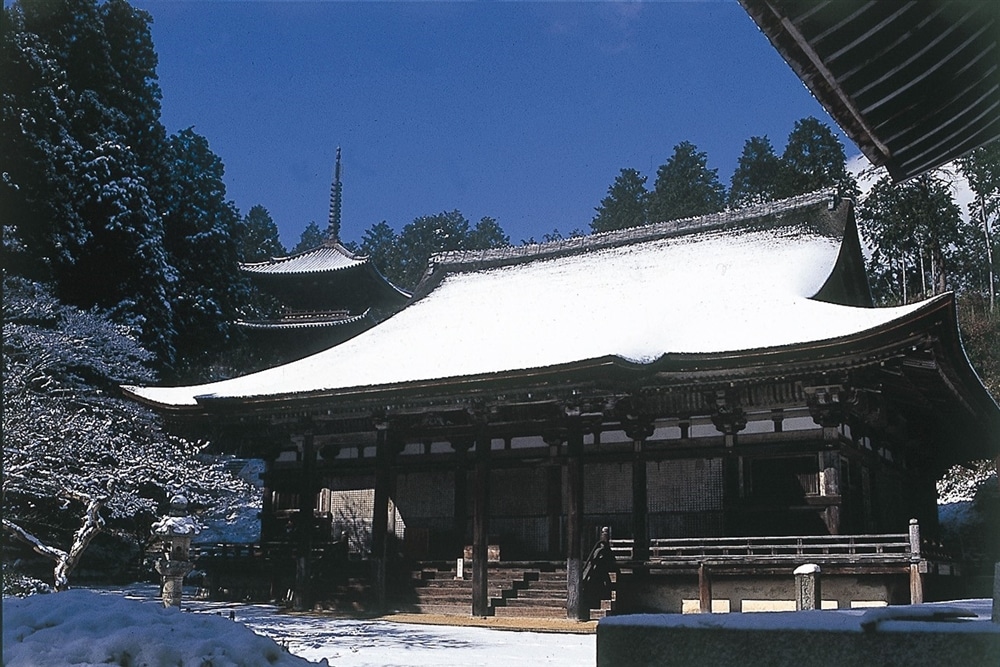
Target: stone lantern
[175,531]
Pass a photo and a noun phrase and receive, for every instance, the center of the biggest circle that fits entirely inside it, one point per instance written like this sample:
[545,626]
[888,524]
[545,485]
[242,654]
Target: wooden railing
[894,548]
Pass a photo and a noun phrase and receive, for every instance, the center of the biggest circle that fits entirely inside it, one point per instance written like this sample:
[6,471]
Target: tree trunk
[66,561]
[989,249]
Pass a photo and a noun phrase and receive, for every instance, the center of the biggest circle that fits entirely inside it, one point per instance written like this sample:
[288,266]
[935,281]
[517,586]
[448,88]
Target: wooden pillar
[302,593]
[639,431]
[729,418]
[829,488]
[553,496]
[575,607]
[481,527]
[380,513]
[458,534]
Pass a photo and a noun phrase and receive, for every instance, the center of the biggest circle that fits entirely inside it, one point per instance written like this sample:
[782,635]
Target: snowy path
[360,643]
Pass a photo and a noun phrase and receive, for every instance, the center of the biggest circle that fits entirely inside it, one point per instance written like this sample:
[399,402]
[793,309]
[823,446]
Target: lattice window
[687,485]
[518,492]
[426,494]
[607,488]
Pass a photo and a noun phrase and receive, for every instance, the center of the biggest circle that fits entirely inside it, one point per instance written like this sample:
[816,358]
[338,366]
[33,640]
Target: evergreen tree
[918,239]
[813,159]
[625,205]
[685,186]
[312,237]
[259,240]
[80,199]
[381,244]
[203,240]
[134,91]
[425,236]
[758,174]
[487,234]
[981,168]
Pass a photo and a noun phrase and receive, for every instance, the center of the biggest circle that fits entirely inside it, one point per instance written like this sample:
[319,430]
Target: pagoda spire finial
[333,227]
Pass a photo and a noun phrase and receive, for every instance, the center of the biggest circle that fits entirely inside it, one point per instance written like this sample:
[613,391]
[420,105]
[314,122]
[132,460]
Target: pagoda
[327,294]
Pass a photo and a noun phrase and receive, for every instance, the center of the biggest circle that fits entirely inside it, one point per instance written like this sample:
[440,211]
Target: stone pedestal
[173,573]
[807,590]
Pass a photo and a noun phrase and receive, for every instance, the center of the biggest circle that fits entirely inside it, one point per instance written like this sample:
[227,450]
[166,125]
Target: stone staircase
[513,592]
[438,591]
[537,595]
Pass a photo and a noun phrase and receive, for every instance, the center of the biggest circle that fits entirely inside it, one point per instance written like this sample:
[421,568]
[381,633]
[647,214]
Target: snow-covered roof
[329,256]
[720,284]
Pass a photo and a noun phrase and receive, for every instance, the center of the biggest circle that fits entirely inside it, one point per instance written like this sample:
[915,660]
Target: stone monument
[175,531]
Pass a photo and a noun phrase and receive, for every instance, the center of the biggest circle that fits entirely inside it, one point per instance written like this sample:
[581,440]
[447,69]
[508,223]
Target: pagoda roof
[330,256]
[726,297]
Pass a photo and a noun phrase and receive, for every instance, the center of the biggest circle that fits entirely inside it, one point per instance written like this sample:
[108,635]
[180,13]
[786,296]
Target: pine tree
[982,169]
[625,205]
[487,234]
[259,240]
[758,174]
[918,239]
[312,237]
[80,194]
[425,236]
[202,237]
[381,245]
[685,186]
[814,158]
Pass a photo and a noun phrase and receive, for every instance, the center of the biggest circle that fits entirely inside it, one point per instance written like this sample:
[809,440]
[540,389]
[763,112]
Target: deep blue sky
[520,111]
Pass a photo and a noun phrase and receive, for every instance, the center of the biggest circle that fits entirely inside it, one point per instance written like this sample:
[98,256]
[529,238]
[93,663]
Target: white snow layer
[82,628]
[725,291]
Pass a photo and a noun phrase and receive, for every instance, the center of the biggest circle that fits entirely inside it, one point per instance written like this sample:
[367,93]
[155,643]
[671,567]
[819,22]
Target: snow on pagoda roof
[330,256]
[743,282]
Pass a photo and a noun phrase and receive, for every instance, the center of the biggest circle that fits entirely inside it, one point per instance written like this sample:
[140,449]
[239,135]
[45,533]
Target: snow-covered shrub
[78,458]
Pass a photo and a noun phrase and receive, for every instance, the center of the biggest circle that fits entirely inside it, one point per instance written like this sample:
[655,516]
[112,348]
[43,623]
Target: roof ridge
[327,244]
[680,226]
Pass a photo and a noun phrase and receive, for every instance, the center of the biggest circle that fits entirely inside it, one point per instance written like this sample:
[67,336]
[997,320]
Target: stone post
[175,532]
[916,576]
[704,589]
[807,589]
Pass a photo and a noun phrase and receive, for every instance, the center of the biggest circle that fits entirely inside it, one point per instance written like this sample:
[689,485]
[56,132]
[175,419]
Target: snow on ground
[100,627]
[85,628]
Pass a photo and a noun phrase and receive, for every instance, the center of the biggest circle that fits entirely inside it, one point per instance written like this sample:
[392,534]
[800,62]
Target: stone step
[531,612]
[537,602]
[445,597]
[439,609]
